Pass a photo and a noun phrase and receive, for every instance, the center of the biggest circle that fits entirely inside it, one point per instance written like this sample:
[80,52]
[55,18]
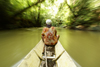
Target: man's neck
[48,26]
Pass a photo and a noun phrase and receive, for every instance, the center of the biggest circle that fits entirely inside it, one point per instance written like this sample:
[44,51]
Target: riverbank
[81,27]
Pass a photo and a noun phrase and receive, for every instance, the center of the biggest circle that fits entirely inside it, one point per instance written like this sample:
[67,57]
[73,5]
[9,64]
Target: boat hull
[34,57]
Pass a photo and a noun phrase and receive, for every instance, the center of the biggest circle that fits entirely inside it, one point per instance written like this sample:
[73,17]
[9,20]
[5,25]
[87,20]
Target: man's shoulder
[53,27]
[45,28]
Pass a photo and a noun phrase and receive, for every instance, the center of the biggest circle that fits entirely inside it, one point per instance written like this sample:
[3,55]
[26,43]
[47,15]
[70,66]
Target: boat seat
[51,57]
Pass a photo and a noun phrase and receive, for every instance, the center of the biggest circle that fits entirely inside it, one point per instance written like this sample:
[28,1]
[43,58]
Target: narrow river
[83,46]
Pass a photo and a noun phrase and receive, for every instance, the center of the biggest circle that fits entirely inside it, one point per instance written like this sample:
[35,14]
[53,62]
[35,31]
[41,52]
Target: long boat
[35,58]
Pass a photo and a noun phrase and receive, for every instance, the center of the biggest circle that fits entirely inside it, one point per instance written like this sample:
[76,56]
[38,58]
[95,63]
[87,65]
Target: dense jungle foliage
[33,13]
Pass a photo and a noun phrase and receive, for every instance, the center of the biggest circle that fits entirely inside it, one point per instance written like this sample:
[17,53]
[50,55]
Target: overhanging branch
[21,11]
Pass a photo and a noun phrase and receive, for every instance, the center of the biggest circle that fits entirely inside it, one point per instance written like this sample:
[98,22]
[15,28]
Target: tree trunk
[38,17]
[71,26]
[70,8]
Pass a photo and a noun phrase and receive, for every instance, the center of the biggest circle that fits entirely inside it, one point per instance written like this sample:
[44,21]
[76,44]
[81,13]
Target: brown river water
[82,46]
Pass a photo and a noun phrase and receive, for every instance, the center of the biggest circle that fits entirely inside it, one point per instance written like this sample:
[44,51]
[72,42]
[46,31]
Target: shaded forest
[64,13]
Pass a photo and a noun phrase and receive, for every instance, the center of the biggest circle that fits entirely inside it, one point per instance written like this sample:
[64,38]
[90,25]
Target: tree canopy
[33,13]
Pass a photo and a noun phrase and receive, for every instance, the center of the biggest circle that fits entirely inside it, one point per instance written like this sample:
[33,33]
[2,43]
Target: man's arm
[42,37]
[57,35]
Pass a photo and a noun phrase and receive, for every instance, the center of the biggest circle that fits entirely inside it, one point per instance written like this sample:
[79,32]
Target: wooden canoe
[35,56]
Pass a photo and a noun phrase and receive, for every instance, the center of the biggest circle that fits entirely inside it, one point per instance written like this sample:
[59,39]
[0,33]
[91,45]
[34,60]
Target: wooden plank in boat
[39,49]
[65,61]
[58,50]
[31,60]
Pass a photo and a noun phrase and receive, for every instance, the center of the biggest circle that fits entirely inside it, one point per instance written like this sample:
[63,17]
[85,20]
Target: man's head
[48,23]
